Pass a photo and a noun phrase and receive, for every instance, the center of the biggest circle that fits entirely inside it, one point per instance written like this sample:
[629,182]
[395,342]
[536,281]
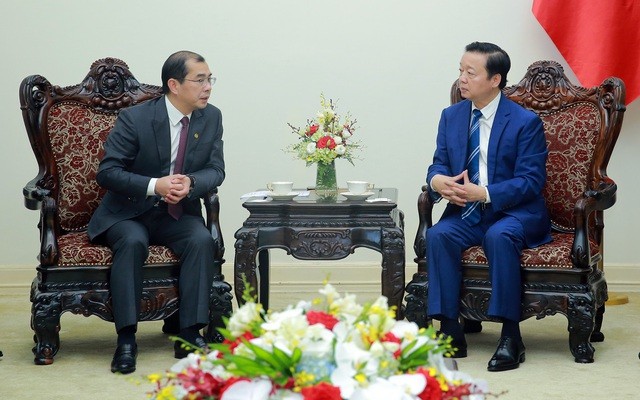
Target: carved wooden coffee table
[309,229]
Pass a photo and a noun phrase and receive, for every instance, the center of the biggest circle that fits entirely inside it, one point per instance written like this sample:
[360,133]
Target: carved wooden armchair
[564,276]
[67,127]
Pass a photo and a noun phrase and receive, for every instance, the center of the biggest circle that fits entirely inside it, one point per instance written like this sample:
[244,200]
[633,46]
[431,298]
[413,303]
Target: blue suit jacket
[516,163]
[139,148]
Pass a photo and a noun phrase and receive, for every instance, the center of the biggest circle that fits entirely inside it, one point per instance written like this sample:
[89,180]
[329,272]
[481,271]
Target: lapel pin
[196,135]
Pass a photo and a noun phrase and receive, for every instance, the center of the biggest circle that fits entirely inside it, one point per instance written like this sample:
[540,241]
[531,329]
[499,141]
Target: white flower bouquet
[326,137]
[329,349]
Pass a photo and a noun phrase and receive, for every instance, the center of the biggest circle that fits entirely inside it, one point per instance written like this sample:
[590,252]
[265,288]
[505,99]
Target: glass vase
[326,183]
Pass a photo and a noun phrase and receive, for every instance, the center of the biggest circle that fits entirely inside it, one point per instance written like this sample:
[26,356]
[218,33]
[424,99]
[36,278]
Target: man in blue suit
[154,183]
[505,194]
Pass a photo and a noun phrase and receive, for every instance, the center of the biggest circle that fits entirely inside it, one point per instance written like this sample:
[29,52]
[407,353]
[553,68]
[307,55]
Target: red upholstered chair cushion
[77,250]
[556,254]
[572,134]
[77,133]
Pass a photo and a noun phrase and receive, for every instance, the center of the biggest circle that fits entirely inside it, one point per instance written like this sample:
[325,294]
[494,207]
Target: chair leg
[45,322]
[597,335]
[219,307]
[416,308]
[581,314]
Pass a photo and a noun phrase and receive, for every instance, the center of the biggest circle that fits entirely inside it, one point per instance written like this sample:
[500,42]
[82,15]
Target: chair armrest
[48,232]
[425,209]
[593,201]
[33,194]
[212,207]
[38,198]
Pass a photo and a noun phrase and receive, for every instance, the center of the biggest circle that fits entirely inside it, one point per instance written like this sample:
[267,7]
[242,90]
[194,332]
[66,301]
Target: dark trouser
[188,238]
[502,239]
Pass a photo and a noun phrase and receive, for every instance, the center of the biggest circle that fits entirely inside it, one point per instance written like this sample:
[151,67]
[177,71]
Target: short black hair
[176,67]
[498,61]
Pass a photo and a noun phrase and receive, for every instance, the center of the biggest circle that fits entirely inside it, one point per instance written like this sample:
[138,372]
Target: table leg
[263,271]
[244,267]
[393,268]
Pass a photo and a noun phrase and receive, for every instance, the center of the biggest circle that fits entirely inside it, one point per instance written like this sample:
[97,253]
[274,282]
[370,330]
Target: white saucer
[353,196]
[258,200]
[287,196]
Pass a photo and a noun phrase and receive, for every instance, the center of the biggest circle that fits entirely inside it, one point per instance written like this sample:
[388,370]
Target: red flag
[597,38]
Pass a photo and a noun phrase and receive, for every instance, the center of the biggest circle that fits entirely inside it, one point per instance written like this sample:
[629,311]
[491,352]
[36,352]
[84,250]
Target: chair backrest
[67,128]
[581,126]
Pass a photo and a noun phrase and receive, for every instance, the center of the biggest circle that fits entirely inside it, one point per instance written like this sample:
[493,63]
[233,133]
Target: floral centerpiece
[330,349]
[324,139]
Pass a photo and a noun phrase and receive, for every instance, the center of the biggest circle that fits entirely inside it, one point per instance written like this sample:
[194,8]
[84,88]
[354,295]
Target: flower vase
[326,183]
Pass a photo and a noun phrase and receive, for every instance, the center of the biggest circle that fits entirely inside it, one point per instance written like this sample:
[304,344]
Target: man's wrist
[192,184]
[151,187]
[486,199]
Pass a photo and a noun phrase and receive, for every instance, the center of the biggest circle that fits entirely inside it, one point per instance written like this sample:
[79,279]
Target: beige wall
[389,63]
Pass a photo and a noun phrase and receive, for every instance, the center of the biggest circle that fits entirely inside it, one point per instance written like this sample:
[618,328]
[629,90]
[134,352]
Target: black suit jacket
[138,148]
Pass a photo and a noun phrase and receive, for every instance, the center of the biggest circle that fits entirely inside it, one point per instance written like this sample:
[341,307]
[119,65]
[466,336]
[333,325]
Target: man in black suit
[154,185]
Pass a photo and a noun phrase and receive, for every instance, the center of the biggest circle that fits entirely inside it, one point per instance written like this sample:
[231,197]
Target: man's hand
[173,188]
[458,189]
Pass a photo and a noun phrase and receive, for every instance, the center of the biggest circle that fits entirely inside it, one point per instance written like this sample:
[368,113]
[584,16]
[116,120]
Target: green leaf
[262,354]
[249,367]
[283,357]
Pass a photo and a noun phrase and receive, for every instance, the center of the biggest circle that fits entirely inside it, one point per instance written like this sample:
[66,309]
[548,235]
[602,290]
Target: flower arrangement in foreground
[329,349]
[325,137]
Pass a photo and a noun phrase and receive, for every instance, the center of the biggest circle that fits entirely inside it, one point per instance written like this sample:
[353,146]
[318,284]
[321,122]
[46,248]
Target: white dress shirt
[486,123]
[174,127]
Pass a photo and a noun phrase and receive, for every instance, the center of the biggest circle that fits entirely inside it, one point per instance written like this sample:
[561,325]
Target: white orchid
[282,330]
[318,341]
[346,307]
[403,387]
[258,389]
[242,320]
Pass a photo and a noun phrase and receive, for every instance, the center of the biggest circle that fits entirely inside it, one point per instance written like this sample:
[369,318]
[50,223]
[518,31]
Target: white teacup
[280,188]
[359,187]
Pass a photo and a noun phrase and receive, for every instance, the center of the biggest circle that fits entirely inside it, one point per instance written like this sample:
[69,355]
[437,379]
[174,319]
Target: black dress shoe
[124,359]
[181,349]
[508,355]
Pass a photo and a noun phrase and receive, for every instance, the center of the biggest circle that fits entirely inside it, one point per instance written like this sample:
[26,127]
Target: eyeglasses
[203,81]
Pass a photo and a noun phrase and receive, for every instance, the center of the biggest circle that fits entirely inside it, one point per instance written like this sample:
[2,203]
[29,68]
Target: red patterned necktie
[175,210]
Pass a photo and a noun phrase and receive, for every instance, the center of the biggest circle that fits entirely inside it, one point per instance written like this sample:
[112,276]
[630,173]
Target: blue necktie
[471,211]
